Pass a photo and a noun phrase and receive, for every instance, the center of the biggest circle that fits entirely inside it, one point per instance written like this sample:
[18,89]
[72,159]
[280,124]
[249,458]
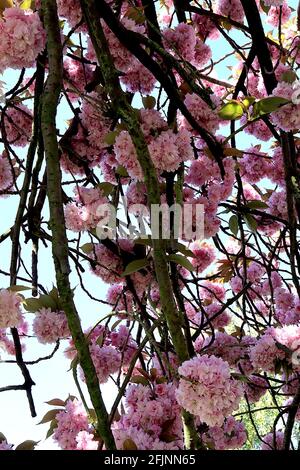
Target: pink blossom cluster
[204,255]
[286,117]
[49,326]
[148,412]
[72,431]
[258,129]
[167,151]
[207,390]
[10,309]
[231,435]
[80,155]
[77,76]
[274,15]
[287,307]
[277,344]
[71,10]
[231,8]
[22,38]
[110,351]
[6,174]
[121,299]
[94,120]
[205,116]
[224,346]
[135,76]
[18,125]
[254,165]
[205,27]
[256,388]
[85,213]
[273,441]
[214,315]
[109,266]
[183,42]
[5,446]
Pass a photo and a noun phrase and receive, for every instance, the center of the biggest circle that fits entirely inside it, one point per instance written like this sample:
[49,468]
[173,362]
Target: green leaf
[257,205]
[106,188]
[264,7]
[136,14]
[139,379]
[110,138]
[129,444]
[148,102]
[143,241]
[49,416]
[115,324]
[135,265]
[182,260]
[277,366]
[48,301]
[100,340]
[289,76]
[248,101]
[19,288]
[250,222]
[241,377]
[87,248]
[231,110]
[183,249]
[27,445]
[51,429]
[234,224]
[55,402]
[2,437]
[32,305]
[121,171]
[27,4]
[268,105]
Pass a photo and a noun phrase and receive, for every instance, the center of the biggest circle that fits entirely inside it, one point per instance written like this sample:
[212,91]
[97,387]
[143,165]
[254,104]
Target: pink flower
[274,12]
[18,125]
[202,113]
[264,353]
[288,116]
[207,390]
[10,311]
[273,441]
[110,266]
[70,422]
[204,255]
[231,8]
[49,326]
[6,175]
[256,388]
[71,10]
[85,441]
[77,75]
[232,435]
[5,446]
[24,38]
[181,41]
[106,359]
